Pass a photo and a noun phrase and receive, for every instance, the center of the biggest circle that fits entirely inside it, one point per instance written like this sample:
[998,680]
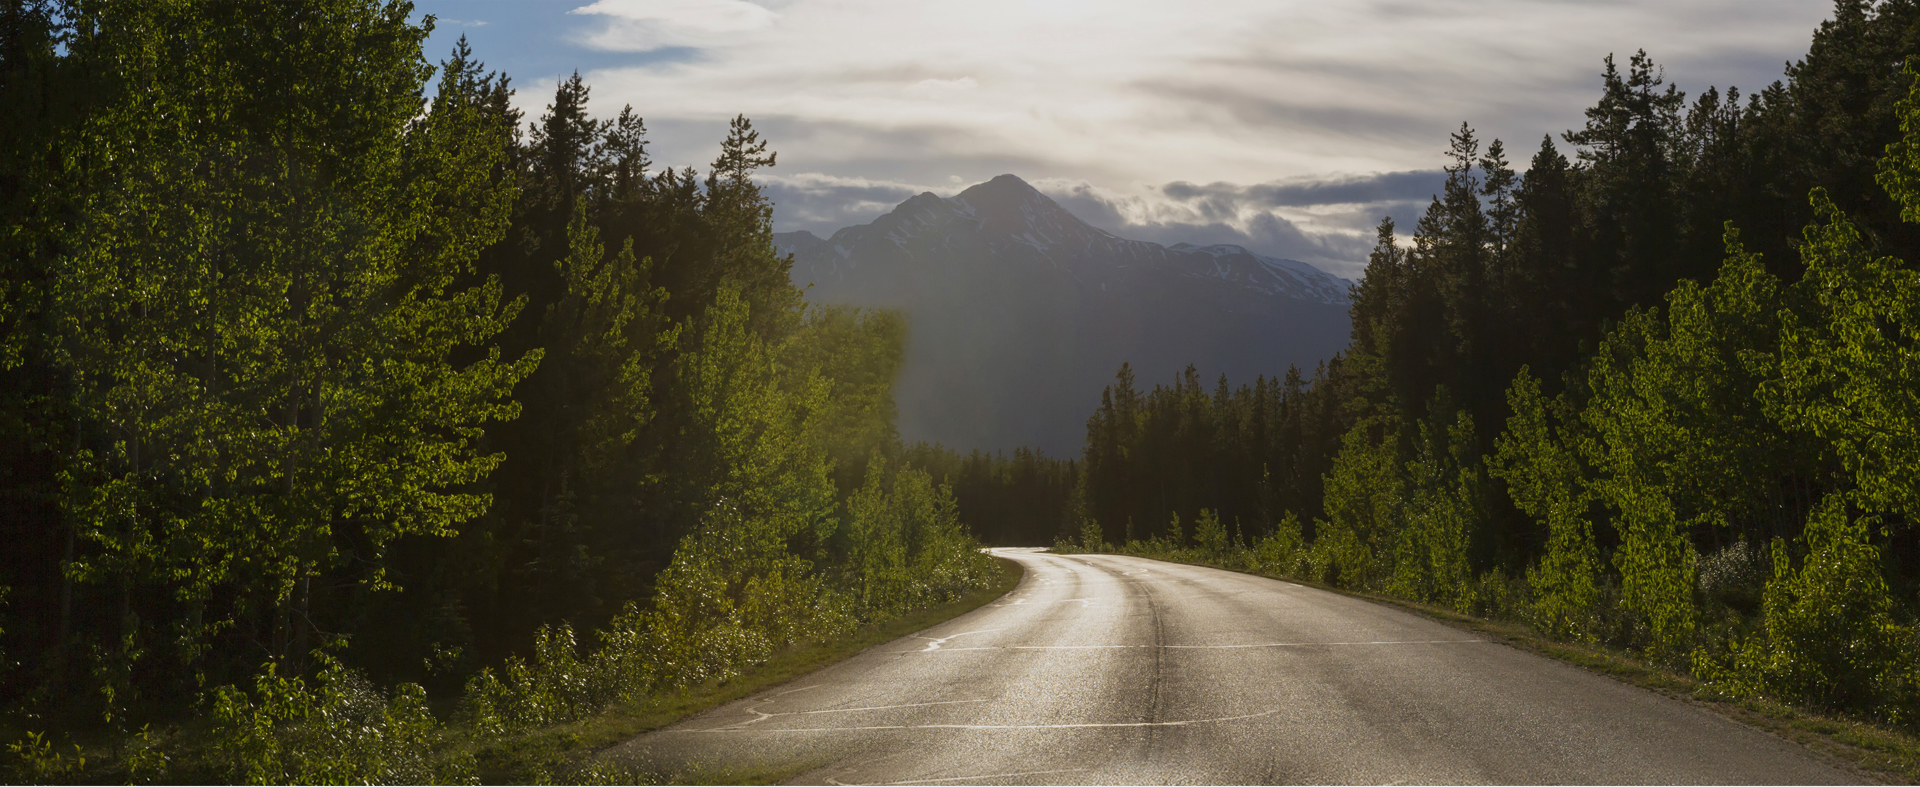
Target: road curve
[1109,669]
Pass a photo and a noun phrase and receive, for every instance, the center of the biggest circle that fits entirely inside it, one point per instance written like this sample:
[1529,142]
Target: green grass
[569,752]
[1868,750]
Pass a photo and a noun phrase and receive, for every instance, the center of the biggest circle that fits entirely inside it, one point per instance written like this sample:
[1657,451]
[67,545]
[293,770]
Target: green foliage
[755,416]
[146,757]
[1025,498]
[270,316]
[605,334]
[259,299]
[907,548]
[1366,510]
[695,632]
[1092,537]
[1646,384]
[1545,481]
[341,730]
[276,317]
[1431,556]
[37,760]
[1830,638]
[1678,436]
[1210,536]
[1847,370]
[1656,565]
[1282,551]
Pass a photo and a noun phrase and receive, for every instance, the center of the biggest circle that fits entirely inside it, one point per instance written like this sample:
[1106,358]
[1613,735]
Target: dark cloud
[821,204]
[1352,189]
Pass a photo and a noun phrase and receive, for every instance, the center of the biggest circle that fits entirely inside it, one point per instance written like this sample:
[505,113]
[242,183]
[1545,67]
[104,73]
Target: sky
[1288,127]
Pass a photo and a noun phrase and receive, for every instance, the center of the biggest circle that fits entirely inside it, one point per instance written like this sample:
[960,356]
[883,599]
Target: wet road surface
[1109,669]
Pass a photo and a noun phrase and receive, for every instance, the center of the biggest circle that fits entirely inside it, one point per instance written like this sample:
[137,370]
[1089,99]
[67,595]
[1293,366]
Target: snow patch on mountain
[1007,212]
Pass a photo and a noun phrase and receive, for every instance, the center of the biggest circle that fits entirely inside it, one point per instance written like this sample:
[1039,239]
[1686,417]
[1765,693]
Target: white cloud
[641,25]
[943,88]
[1130,95]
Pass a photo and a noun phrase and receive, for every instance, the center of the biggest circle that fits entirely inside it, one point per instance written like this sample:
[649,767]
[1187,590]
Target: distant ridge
[1020,313]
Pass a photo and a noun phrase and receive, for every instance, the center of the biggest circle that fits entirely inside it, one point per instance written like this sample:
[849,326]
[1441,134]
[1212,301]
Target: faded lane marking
[1084,602]
[760,716]
[792,691]
[1087,725]
[936,643]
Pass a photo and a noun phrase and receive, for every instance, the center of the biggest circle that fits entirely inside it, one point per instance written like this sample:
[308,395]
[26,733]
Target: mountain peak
[1007,204]
[1002,189]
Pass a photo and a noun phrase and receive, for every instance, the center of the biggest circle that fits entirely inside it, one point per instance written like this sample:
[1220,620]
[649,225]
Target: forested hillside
[1652,384]
[332,390]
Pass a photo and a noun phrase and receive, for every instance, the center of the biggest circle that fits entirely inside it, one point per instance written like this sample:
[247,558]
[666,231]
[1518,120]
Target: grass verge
[1868,750]
[568,752]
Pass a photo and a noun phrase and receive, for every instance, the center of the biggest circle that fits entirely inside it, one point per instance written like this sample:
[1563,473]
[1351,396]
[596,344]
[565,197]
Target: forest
[352,422]
[345,412]
[1658,390]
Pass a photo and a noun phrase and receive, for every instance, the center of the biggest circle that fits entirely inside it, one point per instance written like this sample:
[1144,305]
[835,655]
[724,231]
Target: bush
[341,731]
[1283,551]
[1210,536]
[37,760]
[1829,639]
[1092,539]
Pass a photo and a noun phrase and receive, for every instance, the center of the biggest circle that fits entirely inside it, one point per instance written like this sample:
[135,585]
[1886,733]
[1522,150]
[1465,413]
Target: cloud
[645,25]
[822,204]
[1339,189]
[1218,118]
[940,88]
[1330,228]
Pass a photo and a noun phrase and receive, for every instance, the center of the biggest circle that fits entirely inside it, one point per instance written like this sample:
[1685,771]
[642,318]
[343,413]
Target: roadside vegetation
[1653,398]
[353,429]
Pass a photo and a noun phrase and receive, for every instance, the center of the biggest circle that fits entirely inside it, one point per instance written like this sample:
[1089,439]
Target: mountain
[1019,313]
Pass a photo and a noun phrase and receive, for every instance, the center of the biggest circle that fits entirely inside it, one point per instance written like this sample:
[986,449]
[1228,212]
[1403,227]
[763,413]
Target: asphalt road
[1111,669]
